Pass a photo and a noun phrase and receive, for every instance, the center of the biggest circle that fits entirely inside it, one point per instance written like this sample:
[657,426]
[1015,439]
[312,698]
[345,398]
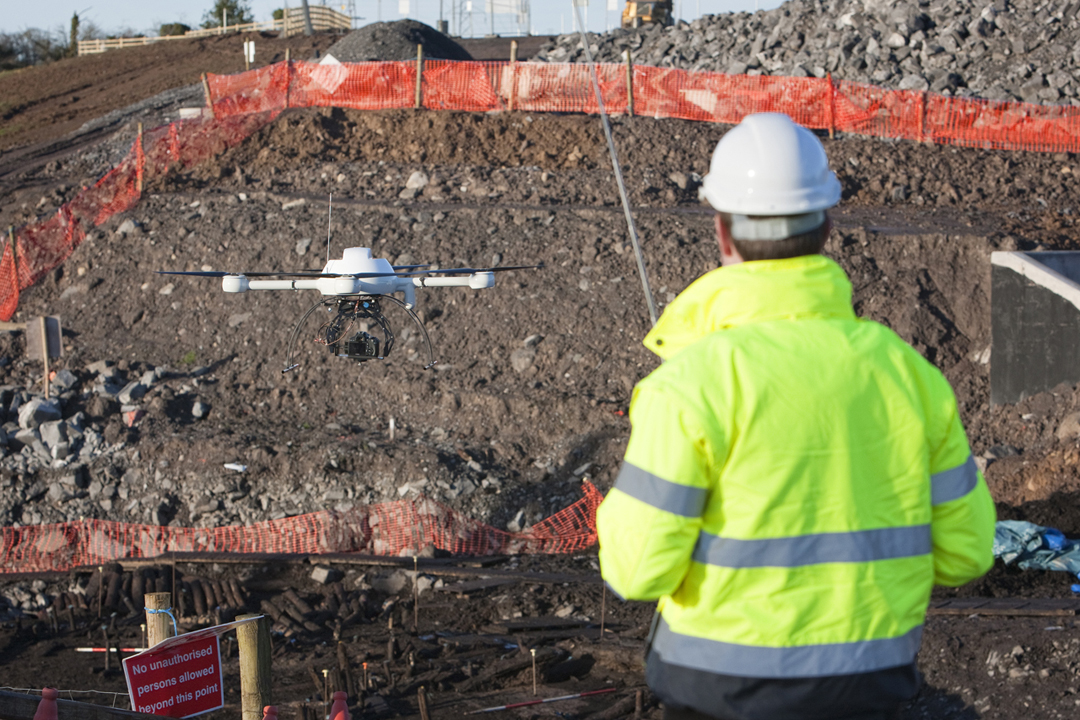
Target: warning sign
[179,677]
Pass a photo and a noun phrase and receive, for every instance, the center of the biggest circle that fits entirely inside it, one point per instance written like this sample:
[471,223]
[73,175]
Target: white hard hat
[768,165]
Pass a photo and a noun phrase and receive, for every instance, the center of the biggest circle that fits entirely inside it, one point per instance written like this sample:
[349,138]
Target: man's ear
[728,254]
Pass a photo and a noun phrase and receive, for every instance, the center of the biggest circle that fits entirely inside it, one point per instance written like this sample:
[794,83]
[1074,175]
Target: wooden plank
[16,706]
[430,566]
[540,623]
[463,588]
[1018,607]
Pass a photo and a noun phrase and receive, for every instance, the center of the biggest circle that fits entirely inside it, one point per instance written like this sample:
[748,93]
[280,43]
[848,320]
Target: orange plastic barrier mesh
[392,528]
[244,102]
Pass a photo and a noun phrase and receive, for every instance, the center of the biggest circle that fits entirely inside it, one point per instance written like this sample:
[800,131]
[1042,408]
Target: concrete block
[37,411]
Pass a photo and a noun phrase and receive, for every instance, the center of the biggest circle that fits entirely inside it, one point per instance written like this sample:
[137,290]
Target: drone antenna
[329,214]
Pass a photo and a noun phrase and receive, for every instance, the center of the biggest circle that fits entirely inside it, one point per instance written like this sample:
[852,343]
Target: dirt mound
[530,393]
[47,101]
[396,41]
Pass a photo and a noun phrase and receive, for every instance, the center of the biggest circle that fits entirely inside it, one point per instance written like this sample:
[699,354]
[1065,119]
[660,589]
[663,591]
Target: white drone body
[352,289]
[358,273]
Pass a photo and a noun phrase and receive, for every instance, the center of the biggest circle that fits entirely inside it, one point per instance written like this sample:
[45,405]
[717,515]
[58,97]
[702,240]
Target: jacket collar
[811,286]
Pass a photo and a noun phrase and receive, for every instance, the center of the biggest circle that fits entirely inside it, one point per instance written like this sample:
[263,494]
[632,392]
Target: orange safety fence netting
[403,527]
[245,102]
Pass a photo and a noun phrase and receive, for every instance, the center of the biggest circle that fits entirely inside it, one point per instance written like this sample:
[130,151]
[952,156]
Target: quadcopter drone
[353,289]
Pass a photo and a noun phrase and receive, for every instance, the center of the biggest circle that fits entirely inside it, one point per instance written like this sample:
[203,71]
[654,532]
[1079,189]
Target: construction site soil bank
[528,401]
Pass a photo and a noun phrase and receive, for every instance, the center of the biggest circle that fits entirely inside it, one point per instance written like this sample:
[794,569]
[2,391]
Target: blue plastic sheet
[1034,547]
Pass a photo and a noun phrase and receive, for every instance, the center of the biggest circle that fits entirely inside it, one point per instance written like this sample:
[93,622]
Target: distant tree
[237,12]
[279,14]
[31,47]
[175,28]
[73,37]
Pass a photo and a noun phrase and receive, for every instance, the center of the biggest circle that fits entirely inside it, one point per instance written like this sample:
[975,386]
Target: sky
[145,16]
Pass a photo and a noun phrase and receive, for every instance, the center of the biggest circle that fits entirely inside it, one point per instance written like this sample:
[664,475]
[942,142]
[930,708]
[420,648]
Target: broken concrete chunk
[239,319]
[522,359]
[417,180]
[37,411]
[132,392]
[53,433]
[64,380]
[325,575]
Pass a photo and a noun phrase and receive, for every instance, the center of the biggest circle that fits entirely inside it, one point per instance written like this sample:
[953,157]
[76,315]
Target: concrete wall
[1035,320]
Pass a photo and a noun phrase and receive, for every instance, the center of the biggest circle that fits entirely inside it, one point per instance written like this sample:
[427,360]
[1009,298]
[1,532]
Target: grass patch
[188,358]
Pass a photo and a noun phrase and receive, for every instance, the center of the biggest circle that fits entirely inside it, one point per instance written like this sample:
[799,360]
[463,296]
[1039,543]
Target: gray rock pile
[396,41]
[997,49]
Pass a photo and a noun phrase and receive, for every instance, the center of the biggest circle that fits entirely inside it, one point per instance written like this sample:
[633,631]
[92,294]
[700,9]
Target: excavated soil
[528,398]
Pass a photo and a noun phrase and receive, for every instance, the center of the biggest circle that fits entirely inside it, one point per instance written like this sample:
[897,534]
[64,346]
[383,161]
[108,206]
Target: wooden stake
[158,624]
[253,641]
[45,352]
[533,653]
[288,74]
[419,76]
[206,91]
[922,117]
[326,692]
[639,704]
[421,700]
[416,595]
[603,610]
[106,645]
[513,72]
[139,176]
[629,83]
[832,107]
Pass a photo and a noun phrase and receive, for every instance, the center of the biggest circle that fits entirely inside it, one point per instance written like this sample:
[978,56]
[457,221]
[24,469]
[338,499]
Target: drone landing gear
[349,312]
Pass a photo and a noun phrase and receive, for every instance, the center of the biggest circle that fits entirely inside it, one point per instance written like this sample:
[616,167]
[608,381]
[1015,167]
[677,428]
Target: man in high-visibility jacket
[797,479]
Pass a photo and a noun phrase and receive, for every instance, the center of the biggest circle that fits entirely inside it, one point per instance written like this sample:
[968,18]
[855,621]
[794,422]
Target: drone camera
[360,346]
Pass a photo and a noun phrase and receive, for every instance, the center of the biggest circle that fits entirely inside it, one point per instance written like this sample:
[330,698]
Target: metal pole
[307,18]
[650,302]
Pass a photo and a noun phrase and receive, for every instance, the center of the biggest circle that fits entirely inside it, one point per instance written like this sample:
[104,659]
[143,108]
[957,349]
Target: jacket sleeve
[648,525]
[963,512]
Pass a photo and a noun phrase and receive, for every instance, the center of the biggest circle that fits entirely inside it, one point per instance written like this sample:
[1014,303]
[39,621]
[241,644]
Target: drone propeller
[470,271]
[302,274]
[308,274]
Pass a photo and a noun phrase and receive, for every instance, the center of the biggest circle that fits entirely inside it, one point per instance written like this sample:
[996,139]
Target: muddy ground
[533,380]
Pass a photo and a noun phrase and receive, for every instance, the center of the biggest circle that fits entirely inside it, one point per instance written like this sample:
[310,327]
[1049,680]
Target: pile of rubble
[1025,50]
[50,443]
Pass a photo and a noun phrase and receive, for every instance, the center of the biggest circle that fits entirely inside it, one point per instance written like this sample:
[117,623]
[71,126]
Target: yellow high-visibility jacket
[796,481]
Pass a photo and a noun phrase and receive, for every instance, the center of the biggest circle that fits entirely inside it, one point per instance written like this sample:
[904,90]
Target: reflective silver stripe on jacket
[953,484]
[660,493]
[849,547]
[845,658]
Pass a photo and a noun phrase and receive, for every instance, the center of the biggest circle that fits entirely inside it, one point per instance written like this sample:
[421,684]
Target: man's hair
[808,243]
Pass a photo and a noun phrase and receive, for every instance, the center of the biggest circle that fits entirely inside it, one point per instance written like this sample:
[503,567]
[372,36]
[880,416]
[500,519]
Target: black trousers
[690,694]
[683,713]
